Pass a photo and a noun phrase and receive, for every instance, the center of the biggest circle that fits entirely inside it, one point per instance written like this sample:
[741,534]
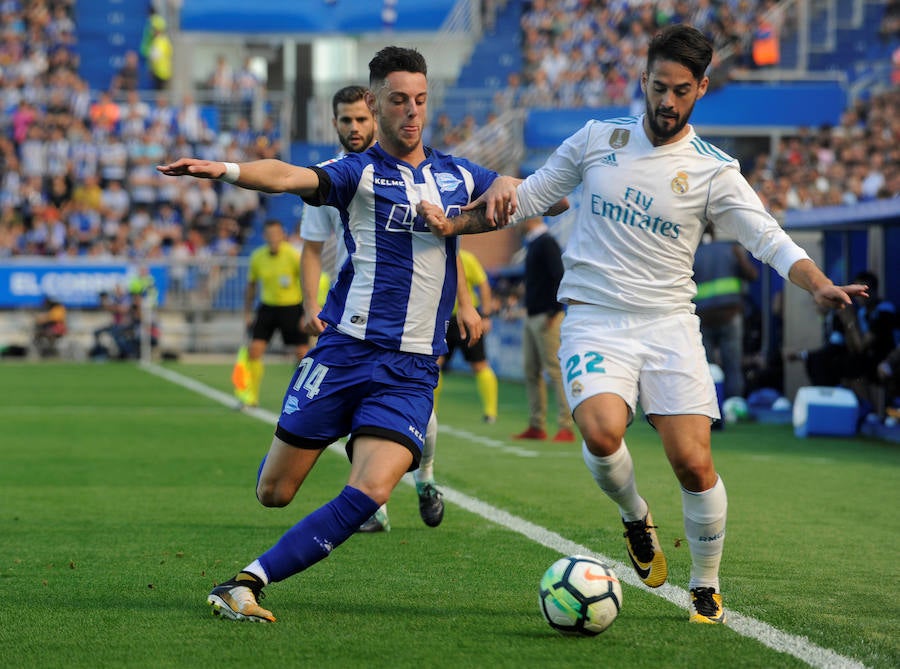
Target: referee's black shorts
[284,319]
[473,353]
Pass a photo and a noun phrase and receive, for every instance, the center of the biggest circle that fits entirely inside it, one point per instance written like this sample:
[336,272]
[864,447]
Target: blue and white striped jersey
[398,289]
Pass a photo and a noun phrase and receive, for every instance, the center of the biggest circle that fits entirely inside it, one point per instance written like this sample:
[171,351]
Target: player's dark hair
[272,222]
[347,96]
[395,59]
[682,44]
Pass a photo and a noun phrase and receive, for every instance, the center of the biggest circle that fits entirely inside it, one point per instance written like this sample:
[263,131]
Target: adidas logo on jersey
[609,159]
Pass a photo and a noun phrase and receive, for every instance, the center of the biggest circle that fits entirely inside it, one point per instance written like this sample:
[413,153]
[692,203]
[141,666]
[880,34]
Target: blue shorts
[348,386]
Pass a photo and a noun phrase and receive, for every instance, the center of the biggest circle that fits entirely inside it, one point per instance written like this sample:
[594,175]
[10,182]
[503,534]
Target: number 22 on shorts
[591,364]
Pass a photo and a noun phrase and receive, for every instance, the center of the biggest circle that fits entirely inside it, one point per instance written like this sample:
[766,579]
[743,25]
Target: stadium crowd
[77,173]
[590,53]
[77,170]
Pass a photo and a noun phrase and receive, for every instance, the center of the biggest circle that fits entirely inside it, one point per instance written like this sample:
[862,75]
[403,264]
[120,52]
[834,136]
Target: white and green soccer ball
[580,596]
[735,409]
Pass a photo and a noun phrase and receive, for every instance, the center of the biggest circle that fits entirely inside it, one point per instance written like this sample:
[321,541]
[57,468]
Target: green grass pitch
[125,497]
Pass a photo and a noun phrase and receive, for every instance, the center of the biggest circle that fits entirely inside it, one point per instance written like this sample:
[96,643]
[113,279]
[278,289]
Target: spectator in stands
[540,335]
[127,77]
[105,115]
[765,49]
[221,82]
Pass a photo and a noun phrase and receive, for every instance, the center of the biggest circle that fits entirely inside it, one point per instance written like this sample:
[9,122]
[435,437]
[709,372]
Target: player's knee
[273,495]
[600,441]
[696,474]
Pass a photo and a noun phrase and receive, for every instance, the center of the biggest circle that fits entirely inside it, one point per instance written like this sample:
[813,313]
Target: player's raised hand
[499,201]
[193,167]
[838,297]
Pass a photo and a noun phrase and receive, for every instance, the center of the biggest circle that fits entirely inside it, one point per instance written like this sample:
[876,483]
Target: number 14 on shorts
[309,377]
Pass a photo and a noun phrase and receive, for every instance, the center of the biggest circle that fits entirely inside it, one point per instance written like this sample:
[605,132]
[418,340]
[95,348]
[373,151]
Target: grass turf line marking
[783,642]
[487,442]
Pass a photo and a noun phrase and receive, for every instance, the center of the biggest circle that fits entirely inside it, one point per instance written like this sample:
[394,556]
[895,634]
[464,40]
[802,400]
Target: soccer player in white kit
[650,186]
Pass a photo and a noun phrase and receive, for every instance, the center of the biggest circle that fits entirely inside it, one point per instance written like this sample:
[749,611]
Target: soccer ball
[580,596]
[735,409]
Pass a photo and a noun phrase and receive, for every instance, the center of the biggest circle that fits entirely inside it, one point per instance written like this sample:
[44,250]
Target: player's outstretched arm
[268,175]
[808,276]
[466,223]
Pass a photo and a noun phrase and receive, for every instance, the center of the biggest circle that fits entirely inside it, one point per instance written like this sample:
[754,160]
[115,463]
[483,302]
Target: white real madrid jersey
[398,288]
[642,212]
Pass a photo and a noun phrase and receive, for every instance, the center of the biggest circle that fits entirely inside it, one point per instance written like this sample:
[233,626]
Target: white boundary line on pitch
[783,642]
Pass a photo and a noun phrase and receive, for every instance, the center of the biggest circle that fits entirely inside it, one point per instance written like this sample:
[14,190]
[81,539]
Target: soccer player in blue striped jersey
[373,371]
[322,231]
[650,186]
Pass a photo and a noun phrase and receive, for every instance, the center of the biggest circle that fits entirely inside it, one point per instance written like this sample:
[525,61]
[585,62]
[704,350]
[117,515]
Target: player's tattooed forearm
[472,222]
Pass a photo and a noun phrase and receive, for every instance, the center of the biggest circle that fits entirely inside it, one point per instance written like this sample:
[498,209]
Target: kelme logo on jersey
[619,138]
[680,183]
[447,182]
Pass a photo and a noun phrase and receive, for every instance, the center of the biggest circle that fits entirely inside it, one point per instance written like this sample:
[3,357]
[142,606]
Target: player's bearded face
[670,94]
[666,122]
[355,126]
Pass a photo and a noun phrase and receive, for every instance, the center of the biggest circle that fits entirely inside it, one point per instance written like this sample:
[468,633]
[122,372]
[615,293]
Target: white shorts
[657,359]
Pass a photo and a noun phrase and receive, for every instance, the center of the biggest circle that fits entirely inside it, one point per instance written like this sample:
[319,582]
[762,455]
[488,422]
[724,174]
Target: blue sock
[314,537]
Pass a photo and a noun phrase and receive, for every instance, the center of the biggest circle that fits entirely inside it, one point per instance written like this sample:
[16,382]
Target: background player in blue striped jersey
[372,373]
[650,186]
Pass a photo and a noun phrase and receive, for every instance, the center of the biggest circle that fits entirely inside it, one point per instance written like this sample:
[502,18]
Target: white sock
[615,476]
[704,527]
[425,472]
[257,570]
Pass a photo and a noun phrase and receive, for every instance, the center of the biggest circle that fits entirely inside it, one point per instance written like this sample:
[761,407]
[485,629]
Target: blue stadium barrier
[278,16]
[749,105]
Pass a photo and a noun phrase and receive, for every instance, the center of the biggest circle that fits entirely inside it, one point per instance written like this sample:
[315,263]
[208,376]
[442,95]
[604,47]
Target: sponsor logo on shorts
[290,405]
[416,433]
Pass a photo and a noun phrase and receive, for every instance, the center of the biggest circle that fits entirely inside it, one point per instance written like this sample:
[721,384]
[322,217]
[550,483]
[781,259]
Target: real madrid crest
[680,183]
[577,388]
[619,138]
